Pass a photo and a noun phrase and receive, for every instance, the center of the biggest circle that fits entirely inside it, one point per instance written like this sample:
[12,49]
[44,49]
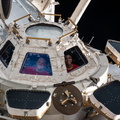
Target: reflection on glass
[6,53]
[74,59]
[44,31]
[36,64]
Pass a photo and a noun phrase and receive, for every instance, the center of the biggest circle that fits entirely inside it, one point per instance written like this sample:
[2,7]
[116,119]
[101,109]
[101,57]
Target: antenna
[91,40]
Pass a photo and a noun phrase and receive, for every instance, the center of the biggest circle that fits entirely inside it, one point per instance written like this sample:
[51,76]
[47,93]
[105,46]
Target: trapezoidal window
[6,53]
[36,64]
[74,59]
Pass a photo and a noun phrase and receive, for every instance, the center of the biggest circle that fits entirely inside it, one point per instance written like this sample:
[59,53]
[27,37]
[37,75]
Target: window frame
[32,63]
[78,57]
[5,51]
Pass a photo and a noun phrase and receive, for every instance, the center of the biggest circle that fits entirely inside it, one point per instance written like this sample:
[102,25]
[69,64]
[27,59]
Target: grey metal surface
[19,9]
[114,70]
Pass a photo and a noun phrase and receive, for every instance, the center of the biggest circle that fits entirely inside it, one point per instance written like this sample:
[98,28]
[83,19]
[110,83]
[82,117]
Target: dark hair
[68,53]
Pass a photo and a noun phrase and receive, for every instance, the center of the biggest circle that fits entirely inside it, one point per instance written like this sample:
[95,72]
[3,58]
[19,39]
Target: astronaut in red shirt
[39,69]
[69,63]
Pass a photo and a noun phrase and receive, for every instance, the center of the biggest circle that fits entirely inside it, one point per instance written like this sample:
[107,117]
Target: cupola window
[36,64]
[74,59]
[6,53]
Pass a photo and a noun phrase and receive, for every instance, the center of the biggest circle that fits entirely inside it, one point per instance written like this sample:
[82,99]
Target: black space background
[101,20]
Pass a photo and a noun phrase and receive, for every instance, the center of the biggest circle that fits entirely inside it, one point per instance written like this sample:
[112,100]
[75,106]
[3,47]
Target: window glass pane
[36,64]
[74,59]
[6,53]
[44,31]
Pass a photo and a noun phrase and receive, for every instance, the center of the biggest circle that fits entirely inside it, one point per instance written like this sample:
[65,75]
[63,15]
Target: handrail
[16,33]
[49,14]
[72,23]
[22,17]
[46,39]
[15,24]
[70,33]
